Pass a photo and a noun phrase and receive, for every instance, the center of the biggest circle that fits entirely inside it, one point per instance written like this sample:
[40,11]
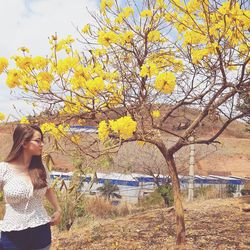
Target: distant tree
[109,190]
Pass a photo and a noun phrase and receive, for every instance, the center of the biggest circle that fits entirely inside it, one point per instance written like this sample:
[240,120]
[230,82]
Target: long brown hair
[23,133]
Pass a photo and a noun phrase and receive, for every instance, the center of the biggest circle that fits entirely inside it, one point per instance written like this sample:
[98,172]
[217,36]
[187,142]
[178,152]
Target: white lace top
[24,207]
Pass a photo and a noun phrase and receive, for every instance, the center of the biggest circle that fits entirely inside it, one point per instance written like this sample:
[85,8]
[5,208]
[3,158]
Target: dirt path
[211,224]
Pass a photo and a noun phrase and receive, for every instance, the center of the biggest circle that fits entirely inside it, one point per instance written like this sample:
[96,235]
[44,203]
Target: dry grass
[213,224]
[102,208]
[210,192]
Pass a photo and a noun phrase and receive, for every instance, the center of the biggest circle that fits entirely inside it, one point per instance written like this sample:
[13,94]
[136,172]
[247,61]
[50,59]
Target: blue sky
[29,23]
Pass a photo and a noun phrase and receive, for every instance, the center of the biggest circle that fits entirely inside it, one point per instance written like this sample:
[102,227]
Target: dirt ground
[210,224]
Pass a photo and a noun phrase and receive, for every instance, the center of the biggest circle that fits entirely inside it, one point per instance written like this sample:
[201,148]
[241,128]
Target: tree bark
[179,212]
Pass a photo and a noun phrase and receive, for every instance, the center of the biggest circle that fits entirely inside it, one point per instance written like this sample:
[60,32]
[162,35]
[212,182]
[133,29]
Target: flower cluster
[2,116]
[228,27]
[165,82]
[24,120]
[56,131]
[149,69]
[156,113]
[3,64]
[124,127]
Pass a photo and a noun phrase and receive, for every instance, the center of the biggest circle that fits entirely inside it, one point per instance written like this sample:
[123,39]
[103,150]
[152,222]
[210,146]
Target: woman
[25,181]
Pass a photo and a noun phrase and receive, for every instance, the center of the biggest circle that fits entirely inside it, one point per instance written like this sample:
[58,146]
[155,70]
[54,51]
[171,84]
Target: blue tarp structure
[135,179]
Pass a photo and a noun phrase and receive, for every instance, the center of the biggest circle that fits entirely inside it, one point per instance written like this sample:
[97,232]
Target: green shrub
[72,205]
[151,200]
[71,201]
[230,190]
[166,192]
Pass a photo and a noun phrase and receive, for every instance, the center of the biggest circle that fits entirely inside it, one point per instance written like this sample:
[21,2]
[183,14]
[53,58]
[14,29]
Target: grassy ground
[210,224]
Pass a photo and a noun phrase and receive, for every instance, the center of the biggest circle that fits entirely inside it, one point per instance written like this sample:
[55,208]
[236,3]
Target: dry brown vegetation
[211,224]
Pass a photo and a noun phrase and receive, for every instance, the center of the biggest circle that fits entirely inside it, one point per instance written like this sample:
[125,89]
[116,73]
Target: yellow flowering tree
[141,67]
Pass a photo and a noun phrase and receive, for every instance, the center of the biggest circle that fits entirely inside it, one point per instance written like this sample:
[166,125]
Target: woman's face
[35,145]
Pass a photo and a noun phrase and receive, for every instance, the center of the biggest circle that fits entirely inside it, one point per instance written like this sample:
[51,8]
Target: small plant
[166,191]
[153,199]
[230,190]
[71,201]
[109,190]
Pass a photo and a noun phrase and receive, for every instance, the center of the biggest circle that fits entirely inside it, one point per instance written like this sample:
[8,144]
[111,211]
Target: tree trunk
[179,212]
[166,200]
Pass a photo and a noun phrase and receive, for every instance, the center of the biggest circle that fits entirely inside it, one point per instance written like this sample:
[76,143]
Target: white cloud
[29,23]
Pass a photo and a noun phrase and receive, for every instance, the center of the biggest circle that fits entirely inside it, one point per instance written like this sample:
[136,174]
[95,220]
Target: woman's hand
[56,217]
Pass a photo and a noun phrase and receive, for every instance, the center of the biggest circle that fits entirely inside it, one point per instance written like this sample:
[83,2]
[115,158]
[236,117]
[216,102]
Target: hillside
[213,224]
[230,157]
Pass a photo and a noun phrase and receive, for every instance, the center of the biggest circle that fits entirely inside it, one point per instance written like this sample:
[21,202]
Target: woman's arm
[51,197]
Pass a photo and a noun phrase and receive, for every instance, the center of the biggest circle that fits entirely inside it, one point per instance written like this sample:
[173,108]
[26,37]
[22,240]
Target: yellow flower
[128,36]
[244,48]
[156,113]
[82,72]
[124,127]
[60,45]
[193,37]
[69,39]
[47,127]
[86,28]
[105,4]
[127,11]
[24,120]
[98,70]
[24,63]
[154,36]
[165,82]
[168,17]
[3,64]
[160,4]
[99,52]
[193,6]
[197,55]
[71,106]
[232,68]
[39,62]
[24,49]
[44,81]
[107,20]
[13,78]
[149,70]
[103,130]
[2,116]
[146,13]
[51,128]
[64,65]
[106,38]
[75,139]
[119,18]
[96,85]
[26,81]
[45,76]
